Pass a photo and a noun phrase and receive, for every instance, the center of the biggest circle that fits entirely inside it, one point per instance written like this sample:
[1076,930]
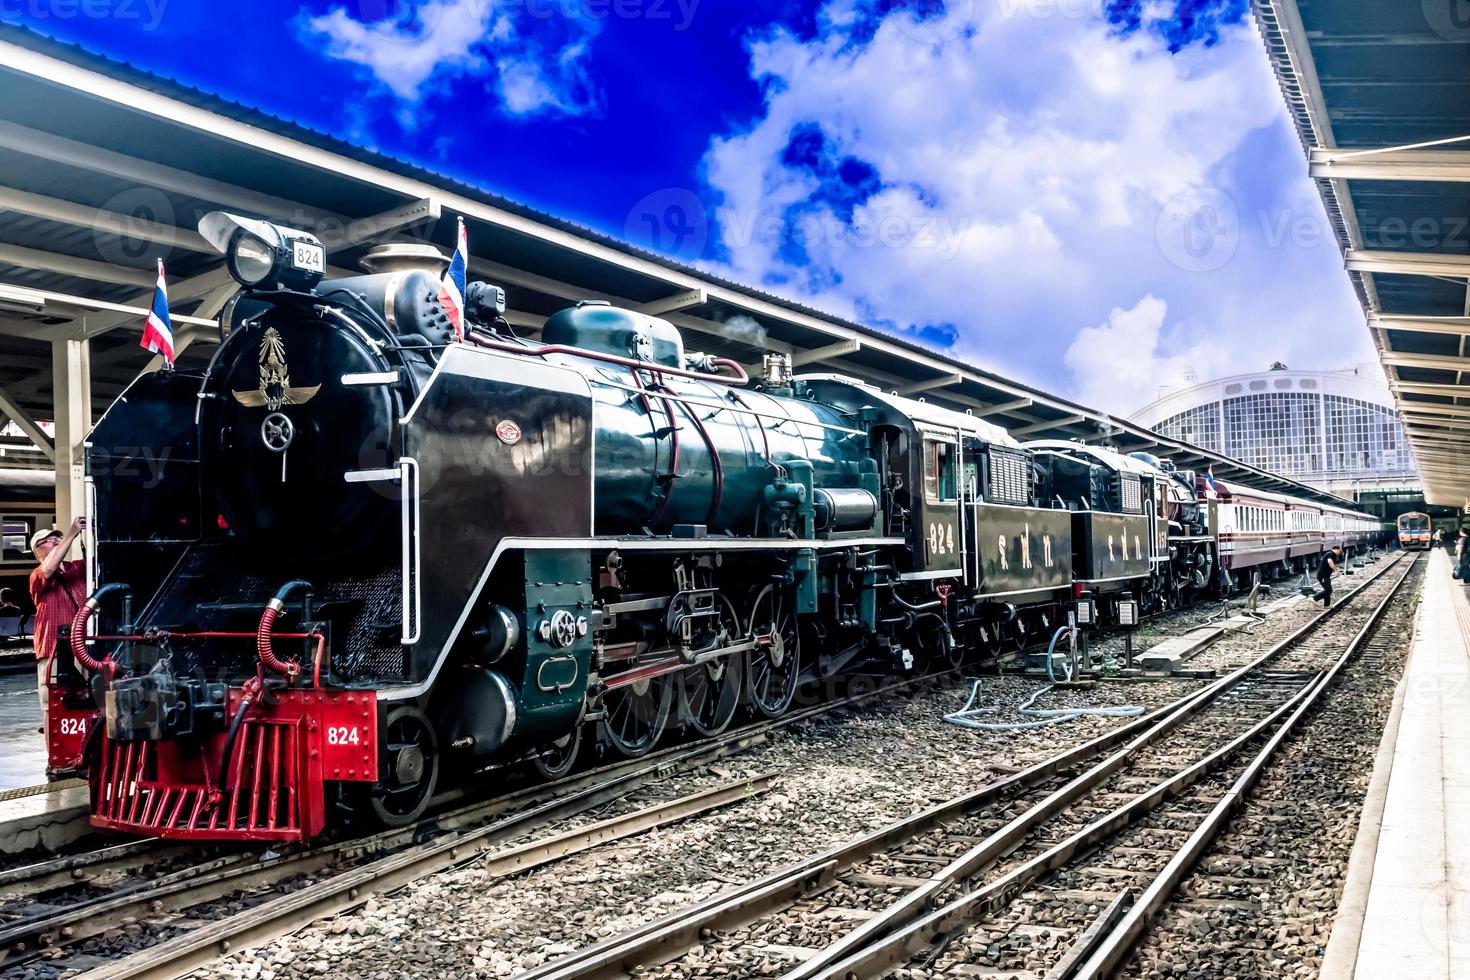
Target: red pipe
[79,651]
[207,635]
[673,480]
[717,468]
[316,660]
[734,366]
[316,668]
[740,378]
[290,668]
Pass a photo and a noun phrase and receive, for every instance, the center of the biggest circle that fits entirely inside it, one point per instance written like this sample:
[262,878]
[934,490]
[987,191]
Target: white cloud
[1025,152]
[1121,363]
[526,89]
[436,41]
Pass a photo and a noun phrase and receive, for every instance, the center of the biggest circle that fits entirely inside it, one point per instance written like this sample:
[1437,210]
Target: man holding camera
[58,589]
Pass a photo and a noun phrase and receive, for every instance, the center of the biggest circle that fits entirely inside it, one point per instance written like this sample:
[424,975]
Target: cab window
[941,470]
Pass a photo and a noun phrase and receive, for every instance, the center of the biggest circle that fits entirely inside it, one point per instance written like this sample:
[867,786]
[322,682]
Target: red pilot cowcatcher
[262,776]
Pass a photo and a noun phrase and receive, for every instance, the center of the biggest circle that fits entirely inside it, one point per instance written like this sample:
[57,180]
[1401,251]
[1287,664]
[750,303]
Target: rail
[882,940]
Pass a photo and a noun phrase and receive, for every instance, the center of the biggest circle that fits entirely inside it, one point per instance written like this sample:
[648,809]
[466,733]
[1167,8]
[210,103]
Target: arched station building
[1334,430]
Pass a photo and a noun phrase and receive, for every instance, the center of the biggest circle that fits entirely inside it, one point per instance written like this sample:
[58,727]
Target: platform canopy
[104,168]
[1380,94]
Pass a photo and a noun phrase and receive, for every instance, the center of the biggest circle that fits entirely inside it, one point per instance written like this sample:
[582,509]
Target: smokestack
[405,257]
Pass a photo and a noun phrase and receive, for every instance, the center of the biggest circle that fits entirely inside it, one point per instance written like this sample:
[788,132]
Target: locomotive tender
[374,556]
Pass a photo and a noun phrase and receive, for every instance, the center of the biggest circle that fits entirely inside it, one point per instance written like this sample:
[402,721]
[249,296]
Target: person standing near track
[1462,556]
[58,589]
[1325,570]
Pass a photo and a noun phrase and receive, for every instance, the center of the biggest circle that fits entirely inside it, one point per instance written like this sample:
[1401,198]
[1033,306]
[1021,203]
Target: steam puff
[746,330]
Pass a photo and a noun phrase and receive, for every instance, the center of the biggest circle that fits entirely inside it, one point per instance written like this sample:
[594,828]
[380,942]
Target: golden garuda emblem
[275,381]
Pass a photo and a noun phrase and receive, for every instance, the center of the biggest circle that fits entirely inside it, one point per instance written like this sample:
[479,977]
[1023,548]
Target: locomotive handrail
[736,408]
[89,533]
[413,589]
[739,380]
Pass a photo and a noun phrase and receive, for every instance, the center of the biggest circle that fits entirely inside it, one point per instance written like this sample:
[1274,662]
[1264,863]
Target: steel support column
[71,386]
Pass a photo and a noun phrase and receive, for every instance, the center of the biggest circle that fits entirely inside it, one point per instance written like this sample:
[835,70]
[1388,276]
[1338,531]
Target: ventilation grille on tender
[1010,478]
[1132,495]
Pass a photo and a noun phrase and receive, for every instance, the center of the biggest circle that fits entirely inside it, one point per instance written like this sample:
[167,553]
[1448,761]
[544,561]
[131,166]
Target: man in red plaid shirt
[58,589]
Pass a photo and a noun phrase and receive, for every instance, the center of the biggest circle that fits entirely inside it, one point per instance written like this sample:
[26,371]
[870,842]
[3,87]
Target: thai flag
[158,329]
[451,290]
[1210,480]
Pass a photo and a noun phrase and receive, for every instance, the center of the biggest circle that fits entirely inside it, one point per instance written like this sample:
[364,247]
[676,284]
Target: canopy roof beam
[826,352]
[1408,263]
[1419,388]
[1005,408]
[1065,420]
[23,421]
[918,387]
[84,156]
[78,268]
[100,219]
[1455,326]
[1433,362]
[688,299]
[1441,166]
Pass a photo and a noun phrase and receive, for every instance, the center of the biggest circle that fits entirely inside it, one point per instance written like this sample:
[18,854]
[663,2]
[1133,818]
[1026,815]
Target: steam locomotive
[369,558]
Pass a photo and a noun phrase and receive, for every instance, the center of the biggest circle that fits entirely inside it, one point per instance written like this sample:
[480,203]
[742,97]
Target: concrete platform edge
[45,822]
[1341,958]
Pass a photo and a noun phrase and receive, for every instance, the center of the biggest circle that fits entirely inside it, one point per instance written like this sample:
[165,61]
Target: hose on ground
[966,716]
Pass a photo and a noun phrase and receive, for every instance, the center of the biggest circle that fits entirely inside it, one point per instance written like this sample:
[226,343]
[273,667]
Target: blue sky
[1089,195]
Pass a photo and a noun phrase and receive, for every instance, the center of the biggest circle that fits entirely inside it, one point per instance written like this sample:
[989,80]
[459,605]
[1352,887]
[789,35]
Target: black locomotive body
[374,557]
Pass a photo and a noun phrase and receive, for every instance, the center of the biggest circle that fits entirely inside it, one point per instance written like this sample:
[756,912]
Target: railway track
[65,909]
[1052,872]
[101,864]
[60,910]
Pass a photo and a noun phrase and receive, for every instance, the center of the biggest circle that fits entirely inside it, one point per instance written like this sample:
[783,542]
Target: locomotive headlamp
[261,255]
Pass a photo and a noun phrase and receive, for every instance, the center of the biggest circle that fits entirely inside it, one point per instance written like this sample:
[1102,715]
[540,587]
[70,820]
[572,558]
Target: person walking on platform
[1462,557]
[58,589]
[1325,569]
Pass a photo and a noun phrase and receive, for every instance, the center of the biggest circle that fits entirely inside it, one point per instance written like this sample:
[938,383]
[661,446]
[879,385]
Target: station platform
[34,815]
[1405,910]
[22,749]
